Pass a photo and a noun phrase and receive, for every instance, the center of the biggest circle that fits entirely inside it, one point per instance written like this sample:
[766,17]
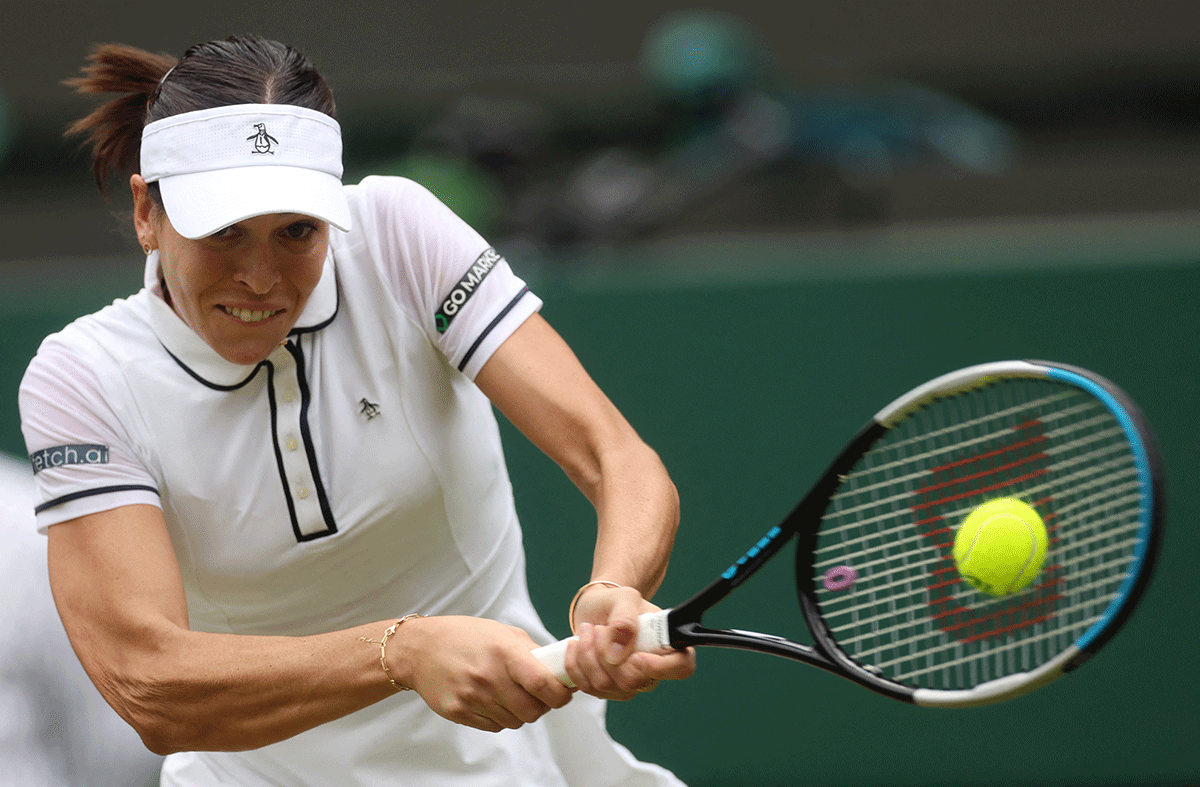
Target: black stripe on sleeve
[503,313]
[89,492]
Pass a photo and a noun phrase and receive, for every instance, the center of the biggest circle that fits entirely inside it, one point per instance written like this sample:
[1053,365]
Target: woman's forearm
[537,382]
[118,590]
[637,509]
[194,691]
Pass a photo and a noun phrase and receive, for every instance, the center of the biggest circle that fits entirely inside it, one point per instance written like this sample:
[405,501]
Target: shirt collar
[202,361]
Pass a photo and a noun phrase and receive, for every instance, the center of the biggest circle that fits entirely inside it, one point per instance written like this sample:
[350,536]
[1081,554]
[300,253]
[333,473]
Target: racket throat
[694,633]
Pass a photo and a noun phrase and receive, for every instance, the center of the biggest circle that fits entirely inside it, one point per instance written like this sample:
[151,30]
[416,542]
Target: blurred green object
[466,189]
[697,57]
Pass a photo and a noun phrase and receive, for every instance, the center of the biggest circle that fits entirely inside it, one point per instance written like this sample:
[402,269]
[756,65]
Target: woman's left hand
[603,661]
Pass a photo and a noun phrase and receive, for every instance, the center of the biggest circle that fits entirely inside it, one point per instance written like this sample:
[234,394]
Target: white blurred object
[55,728]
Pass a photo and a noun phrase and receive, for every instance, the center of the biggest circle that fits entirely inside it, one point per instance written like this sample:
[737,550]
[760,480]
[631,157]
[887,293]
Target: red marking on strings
[996,614]
[959,480]
[982,490]
[1020,624]
[990,471]
[1010,448]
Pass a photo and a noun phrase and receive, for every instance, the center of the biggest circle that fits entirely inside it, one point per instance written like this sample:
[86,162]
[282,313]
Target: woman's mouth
[249,315]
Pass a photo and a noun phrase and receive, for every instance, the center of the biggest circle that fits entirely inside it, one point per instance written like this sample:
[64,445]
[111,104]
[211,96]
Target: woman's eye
[227,232]
[301,229]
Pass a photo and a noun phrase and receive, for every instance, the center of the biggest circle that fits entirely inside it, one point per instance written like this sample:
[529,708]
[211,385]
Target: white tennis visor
[216,167]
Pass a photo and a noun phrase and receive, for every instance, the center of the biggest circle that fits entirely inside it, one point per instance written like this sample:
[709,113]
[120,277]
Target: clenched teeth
[245,315]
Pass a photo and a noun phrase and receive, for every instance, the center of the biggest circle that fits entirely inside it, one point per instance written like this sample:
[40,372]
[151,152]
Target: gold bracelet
[578,593]
[383,649]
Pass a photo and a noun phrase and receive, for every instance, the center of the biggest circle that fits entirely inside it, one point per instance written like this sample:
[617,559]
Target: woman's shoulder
[114,332]
[398,205]
[386,187]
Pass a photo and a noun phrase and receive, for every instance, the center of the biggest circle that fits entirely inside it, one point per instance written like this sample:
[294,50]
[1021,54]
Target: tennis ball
[1000,546]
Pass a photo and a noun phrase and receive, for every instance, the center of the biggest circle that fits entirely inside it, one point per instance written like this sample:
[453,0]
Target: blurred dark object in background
[735,122]
[480,157]
[8,128]
[729,136]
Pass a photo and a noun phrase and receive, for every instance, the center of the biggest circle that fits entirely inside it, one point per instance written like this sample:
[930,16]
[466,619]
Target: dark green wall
[747,365]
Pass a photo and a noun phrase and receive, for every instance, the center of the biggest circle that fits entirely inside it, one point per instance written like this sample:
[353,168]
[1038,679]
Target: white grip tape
[653,637]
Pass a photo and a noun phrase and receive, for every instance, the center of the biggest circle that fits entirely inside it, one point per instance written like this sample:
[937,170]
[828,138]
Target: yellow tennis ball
[1000,546]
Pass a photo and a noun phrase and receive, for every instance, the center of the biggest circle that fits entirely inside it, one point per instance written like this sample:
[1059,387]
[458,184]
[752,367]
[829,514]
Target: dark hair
[237,70]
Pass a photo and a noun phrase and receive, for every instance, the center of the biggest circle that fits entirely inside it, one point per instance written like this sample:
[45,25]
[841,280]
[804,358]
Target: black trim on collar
[196,375]
[337,307]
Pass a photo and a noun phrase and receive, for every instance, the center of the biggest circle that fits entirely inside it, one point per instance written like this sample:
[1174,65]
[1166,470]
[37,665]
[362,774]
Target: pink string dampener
[840,578]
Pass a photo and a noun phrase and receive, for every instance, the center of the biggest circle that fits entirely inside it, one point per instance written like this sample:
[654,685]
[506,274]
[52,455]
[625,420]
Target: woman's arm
[118,589]
[537,382]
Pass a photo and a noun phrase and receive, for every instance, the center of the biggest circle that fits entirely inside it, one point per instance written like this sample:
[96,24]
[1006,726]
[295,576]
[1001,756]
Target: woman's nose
[258,272]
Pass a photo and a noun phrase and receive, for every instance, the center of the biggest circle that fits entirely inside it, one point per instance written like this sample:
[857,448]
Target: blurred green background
[756,224]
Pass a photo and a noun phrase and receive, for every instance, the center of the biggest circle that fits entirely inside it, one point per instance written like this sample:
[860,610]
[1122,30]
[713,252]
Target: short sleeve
[83,459]
[459,289]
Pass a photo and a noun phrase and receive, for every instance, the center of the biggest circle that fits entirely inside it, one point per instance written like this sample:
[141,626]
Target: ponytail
[114,130]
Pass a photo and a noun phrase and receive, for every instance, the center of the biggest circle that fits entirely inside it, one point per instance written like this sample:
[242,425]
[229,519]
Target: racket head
[874,572]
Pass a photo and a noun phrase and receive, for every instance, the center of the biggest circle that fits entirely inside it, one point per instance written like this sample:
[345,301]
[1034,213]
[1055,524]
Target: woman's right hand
[474,671]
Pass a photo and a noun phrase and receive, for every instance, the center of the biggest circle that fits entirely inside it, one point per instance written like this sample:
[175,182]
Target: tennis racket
[875,576]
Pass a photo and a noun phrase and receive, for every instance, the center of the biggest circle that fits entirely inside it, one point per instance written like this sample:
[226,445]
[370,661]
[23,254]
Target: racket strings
[895,579]
[908,615]
[918,464]
[1106,483]
[955,439]
[878,629]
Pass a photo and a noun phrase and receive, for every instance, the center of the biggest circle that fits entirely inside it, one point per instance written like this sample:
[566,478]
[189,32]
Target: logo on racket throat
[754,552]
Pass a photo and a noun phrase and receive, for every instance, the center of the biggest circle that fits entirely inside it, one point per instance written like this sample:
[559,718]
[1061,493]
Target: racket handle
[652,637]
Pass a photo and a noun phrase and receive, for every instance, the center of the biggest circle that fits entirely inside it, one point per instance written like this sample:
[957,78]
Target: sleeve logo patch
[465,288]
[61,455]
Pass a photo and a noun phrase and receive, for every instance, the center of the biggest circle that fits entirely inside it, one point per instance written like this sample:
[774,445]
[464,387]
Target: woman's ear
[143,213]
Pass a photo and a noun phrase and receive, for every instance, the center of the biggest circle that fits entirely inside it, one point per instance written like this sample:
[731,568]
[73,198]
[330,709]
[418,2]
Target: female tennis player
[272,481]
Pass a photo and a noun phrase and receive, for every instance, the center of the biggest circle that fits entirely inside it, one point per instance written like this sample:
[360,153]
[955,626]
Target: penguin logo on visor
[263,141]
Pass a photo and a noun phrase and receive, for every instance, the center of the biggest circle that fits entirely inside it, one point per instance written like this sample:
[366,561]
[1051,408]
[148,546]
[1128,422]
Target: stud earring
[146,248]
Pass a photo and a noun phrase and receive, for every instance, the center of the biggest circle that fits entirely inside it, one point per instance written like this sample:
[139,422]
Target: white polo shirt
[354,475]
